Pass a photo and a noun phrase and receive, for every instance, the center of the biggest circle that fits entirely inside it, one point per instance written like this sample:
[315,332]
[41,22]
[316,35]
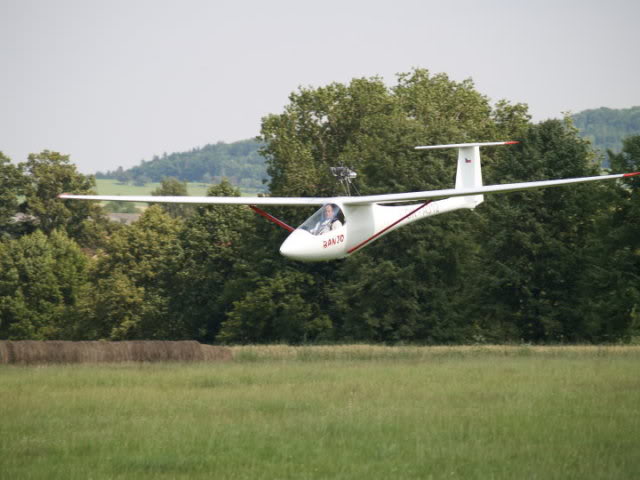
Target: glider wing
[293,201]
[360,200]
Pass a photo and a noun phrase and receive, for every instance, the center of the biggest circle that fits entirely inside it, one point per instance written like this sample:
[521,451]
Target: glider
[345,224]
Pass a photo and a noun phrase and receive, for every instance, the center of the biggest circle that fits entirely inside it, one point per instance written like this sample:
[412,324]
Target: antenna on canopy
[345,176]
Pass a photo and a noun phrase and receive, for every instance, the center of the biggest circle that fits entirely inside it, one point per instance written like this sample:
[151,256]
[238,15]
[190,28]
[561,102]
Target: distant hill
[239,162]
[606,127]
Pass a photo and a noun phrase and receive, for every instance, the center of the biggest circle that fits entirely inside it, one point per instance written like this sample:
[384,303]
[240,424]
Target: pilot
[329,220]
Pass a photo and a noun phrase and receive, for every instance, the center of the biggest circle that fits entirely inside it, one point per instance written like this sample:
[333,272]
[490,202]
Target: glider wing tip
[632,174]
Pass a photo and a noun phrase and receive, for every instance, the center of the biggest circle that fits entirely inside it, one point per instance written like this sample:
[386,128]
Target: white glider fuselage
[368,222]
[364,224]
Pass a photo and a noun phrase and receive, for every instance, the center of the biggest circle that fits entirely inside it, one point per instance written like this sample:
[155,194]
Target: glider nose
[295,246]
[303,246]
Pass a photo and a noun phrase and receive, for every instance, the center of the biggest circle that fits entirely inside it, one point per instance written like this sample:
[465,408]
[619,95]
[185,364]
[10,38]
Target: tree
[610,291]
[121,207]
[173,187]
[121,176]
[112,308]
[414,279]
[50,174]
[136,257]
[410,286]
[210,265]
[141,180]
[278,310]
[40,283]
[534,244]
[12,184]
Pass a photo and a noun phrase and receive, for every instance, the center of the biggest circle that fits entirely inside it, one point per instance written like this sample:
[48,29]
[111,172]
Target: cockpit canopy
[329,217]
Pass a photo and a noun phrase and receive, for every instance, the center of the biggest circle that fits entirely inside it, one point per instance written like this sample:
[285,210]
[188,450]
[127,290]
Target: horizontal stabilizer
[464,145]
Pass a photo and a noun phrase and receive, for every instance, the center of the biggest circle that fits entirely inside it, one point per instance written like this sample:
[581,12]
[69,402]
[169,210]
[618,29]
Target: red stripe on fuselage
[362,244]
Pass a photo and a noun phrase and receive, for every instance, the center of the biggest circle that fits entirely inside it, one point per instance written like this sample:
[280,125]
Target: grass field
[112,187]
[330,412]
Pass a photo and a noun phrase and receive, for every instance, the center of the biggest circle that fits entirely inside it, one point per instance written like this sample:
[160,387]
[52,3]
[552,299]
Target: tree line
[556,265]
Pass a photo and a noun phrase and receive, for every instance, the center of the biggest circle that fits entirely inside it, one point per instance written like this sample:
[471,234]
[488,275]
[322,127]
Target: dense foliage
[239,162]
[556,265]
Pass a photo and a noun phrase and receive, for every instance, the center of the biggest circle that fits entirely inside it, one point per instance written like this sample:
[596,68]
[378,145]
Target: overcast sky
[113,82]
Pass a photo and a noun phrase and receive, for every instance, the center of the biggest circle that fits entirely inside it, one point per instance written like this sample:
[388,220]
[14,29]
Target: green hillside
[607,127]
[239,162]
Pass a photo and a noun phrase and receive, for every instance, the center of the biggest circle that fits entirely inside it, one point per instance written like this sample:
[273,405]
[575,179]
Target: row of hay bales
[30,352]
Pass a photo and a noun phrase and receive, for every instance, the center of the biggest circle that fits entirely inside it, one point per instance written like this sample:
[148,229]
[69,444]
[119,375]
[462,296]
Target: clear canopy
[329,217]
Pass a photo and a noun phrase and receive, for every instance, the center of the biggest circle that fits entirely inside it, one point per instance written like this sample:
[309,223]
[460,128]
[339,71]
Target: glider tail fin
[469,171]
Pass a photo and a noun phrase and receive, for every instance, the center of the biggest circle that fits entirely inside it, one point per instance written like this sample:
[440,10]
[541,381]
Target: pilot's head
[329,211]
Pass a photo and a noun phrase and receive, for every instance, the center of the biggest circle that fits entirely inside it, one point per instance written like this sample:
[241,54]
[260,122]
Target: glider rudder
[469,171]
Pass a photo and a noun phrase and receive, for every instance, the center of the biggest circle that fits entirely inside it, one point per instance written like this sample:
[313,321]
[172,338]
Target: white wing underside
[361,200]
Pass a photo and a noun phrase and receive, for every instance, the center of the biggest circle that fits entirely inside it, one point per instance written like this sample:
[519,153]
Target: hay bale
[4,353]
[30,352]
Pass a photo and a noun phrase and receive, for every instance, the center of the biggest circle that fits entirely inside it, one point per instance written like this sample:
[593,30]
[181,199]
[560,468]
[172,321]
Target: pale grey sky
[113,82]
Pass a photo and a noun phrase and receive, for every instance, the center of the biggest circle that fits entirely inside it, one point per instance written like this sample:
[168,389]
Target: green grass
[112,187]
[330,412]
